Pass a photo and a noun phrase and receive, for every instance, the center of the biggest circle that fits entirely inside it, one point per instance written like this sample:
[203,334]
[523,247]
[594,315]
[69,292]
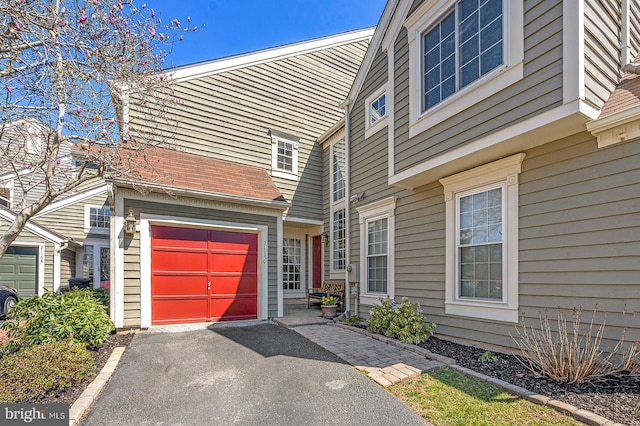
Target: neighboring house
[38,259]
[480,177]
[67,239]
[232,221]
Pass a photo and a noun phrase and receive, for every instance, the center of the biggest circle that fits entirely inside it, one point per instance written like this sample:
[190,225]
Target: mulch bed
[100,356]
[617,398]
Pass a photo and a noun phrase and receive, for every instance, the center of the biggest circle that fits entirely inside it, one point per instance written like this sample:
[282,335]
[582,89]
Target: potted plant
[329,305]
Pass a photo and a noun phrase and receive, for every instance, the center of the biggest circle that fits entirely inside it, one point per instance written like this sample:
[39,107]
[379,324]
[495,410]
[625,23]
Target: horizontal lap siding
[69,220]
[539,91]
[132,252]
[579,231]
[227,115]
[601,49]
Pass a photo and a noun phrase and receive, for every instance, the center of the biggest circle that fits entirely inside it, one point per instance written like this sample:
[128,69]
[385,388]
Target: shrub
[31,373]
[75,316]
[403,321]
[102,296]
[572,355]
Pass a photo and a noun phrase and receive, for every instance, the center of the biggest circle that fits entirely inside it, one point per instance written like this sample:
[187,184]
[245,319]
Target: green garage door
[19,269]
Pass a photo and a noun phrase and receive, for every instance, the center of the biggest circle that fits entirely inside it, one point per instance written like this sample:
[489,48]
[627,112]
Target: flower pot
[329,311]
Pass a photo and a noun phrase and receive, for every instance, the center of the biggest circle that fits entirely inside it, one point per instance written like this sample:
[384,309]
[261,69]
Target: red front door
[199,275]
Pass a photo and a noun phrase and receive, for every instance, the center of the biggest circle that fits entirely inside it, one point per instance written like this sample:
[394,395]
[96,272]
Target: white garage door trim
[40,276]
[146,220]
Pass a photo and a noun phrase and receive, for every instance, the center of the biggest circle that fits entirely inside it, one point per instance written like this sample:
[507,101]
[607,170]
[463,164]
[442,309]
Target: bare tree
[66,70]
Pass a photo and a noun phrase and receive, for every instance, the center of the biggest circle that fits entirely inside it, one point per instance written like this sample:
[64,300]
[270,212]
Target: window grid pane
[377,255]
[291,263]
[464,46]
[99,217]
[378,109]
[480,242]
[339,240]
[285,156]
[337,170]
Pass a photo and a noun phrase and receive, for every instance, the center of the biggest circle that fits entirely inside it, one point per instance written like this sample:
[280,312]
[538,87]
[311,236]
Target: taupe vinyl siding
[579,236]
[601,49]
[539,91]
[69,220]
[132,252]
[67,267]
[228,115]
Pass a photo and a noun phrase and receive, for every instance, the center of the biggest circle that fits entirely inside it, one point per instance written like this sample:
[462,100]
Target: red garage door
[199,275]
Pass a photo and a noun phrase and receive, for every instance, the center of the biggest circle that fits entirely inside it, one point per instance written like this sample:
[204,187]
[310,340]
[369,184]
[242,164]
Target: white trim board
[240,61]
[73,199]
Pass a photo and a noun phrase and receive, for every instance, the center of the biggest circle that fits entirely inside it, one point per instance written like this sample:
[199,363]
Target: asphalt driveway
[256,375]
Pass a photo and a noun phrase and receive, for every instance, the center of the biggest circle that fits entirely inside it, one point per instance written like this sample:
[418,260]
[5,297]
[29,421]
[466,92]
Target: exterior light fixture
[130,224]
[325,238]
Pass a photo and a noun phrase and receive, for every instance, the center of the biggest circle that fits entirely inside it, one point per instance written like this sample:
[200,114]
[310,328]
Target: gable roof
[176,172]
[217,66]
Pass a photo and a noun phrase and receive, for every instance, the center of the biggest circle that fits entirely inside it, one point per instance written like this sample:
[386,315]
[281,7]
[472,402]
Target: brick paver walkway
[384,363]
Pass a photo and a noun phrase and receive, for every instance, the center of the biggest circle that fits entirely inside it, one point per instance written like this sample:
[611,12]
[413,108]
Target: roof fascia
[331,131]
[190,72]
[73,199]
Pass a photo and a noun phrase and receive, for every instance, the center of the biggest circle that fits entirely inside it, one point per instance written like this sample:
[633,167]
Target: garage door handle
[208,286]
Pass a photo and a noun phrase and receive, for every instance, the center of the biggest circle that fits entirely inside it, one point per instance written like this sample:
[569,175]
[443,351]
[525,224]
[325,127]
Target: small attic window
[284,156]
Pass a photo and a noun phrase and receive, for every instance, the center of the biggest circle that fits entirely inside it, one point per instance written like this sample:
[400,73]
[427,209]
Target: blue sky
[230,27]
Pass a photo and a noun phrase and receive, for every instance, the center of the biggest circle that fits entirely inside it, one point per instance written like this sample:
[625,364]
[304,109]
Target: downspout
[625,36]
[347,209]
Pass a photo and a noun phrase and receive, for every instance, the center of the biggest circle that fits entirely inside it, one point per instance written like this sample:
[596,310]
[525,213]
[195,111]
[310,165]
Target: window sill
[482,310]
[376,127]
[284,175]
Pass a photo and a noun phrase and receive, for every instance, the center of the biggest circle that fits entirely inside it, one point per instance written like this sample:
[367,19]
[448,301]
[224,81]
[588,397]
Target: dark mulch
[100,356]
[617,399]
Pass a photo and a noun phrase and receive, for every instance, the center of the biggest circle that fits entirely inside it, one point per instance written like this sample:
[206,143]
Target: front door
[293,271]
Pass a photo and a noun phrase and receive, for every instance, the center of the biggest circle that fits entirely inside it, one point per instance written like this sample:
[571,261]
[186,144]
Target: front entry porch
[295,313]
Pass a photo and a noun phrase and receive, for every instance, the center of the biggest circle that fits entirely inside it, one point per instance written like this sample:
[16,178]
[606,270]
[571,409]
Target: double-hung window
[456,46]
[377,236]
[482,241]
[284,158]
[338,212]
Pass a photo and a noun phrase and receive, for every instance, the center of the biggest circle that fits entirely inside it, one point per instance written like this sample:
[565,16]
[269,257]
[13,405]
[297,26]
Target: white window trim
[298,235]
[87,215]
[384,208]
[334,206]
[335,273]
[504,171]
[371,128]
[509,73]
[281,173]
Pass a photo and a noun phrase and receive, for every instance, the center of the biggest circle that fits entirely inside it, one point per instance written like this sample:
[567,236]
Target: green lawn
[446,397]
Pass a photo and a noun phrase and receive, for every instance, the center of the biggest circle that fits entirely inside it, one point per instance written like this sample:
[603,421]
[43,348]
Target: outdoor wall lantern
[130,224]
[325,238]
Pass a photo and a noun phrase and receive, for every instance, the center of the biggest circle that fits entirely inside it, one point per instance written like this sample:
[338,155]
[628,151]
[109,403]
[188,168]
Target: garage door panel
[19,270]
[172,285]
[179,310]
[233,262]
[179,237]
[225,240]
[185,261]
[233,308]
[241,284]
